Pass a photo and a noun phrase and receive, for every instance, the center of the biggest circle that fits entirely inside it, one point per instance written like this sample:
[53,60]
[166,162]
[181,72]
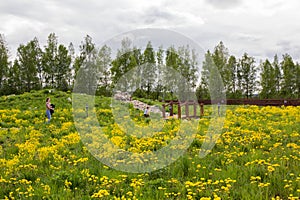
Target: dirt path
[136,103]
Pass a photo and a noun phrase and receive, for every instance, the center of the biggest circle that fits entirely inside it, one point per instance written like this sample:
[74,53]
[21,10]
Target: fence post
[187,110]
[195,109]
[171,108]
[163,111]
[179,111]
[87,110]
[201,109]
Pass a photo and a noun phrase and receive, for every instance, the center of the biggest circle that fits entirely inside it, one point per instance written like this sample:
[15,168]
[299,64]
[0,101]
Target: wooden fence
[187,114]
[179,105]
[258,102]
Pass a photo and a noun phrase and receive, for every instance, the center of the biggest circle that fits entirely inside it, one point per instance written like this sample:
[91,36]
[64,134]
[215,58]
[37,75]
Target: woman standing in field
[146,112]
[48,109]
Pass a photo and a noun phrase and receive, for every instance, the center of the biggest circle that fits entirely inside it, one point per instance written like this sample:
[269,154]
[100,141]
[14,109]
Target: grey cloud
[208,22]
[168,18]
[274,4]
[270,53]
[284,45]
[154,14]
[37,10]
[247,37]
[288,47]
[224,4]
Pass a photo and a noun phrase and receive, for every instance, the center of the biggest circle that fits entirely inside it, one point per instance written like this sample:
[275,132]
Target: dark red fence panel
[258,102]
[264,102]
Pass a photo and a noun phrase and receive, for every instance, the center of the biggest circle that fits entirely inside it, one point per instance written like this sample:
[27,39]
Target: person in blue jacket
[49,108]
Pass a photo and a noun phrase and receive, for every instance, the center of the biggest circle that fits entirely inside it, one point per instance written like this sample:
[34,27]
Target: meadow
[257,155]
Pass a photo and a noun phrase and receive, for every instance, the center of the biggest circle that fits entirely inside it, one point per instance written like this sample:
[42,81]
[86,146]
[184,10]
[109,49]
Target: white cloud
[257,27]
[224,4]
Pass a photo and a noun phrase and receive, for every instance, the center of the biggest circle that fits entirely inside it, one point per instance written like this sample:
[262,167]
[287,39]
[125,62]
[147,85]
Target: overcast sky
[262,28]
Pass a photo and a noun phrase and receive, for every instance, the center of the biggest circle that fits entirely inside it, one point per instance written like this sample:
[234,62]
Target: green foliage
[297,81]
[149,65]
[268,78]
[56,66]
[49,61]
[28,60]
[230,78]
[104,63]
[220,59]
[86,70]
[124,61]
[63,70]
[203,89]
[4,64]
[247,75]
[289,77]
[277,76]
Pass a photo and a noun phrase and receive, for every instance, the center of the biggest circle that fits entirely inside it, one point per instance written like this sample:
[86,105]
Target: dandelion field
[257,155]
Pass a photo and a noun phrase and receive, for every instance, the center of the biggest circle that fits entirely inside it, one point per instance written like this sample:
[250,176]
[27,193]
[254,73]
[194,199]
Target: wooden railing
[258,102]
[186,105]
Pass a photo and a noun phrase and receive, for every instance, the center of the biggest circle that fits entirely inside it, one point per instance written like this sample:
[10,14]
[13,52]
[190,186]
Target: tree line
[244,78]
[56,66]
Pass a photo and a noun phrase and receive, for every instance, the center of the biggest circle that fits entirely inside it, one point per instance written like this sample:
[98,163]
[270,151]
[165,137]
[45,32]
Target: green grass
[261,142]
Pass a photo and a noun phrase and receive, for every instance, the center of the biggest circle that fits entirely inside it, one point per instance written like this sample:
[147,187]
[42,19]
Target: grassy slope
[40,156]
